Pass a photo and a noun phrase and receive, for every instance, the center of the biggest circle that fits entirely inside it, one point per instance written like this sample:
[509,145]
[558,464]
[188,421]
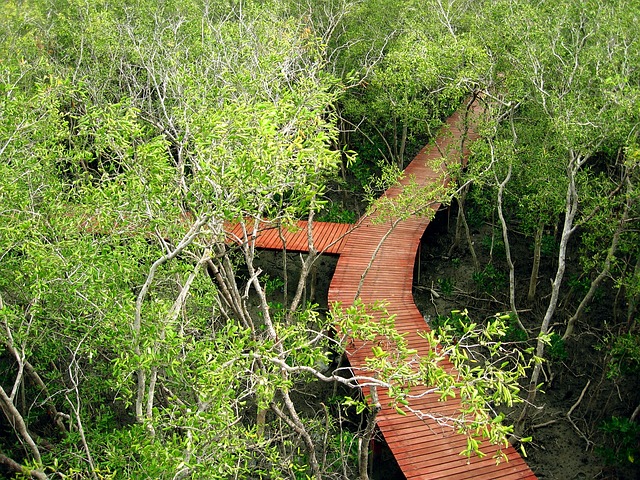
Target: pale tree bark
[470,117]
[225,278]
[75,408]
[611,252]
[285,273]
[15,467]
[633,301]
[507,246]
[296,424]
[403,145]
[305,267]
[137,322]
[174,312]
[461,224]
[396,150]
[289,415]
[223,275]
[537,250]
[470,114]
[16,420]
[571,209]
[365,441]
[11,413]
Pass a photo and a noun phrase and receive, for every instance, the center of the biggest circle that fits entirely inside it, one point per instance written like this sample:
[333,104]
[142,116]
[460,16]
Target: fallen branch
[15,467]
[542,425]
[428,289]
[573,407]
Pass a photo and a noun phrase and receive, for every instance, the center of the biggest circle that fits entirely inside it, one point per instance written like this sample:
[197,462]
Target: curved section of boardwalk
[423,448]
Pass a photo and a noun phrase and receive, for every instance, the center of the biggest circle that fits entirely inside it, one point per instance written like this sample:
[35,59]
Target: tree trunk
[396,153]
[461,223]
[261,420]
[537,247]
[305,267]
[293,420]
[314,282]
[343,141]
[507,248]
[15,467]
[289,415]
[467,232]
[635,413]
[457,238]
[633,301]
[602,275]
[403,146]
[571,209]
[17,421]
[285,275]
[137,321]
[365,441]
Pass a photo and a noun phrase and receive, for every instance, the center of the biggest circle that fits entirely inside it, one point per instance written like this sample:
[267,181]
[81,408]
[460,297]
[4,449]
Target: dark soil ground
[563,448]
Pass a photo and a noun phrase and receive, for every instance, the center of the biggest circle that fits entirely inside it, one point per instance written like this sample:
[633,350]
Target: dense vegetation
[138,342]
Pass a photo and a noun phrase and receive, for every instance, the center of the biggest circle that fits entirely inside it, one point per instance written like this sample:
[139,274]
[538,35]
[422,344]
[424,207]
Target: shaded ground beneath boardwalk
[315,395]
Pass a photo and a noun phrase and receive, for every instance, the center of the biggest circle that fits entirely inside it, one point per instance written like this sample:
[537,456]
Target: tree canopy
[138,341]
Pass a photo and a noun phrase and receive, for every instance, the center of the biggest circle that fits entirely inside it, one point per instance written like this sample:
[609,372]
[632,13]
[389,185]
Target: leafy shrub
[624,355]
[337,213]
[549,246]
[579,285]
[362,171]
[479,208]
[475,218]
[272,284]
[493,243]
[514,333]
[490,279]
[556,348]
[455,323]
[622,438]
[446,285]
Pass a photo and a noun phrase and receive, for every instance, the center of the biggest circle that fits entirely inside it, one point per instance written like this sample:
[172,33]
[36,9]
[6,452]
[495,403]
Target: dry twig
[573,407]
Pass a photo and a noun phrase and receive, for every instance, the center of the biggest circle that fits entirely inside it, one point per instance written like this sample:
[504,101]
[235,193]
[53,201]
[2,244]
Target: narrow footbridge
[328,238]
[423,448]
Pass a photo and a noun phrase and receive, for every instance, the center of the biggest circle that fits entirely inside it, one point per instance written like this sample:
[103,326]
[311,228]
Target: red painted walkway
[328,238]
[422,448]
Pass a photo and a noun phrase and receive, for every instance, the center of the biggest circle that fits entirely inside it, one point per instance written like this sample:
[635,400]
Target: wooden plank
[484,470]
[327,237]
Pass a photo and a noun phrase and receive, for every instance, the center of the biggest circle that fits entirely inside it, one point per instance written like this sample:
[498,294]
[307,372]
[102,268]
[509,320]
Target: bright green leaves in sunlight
[487,369]
[128,133]
[263,159]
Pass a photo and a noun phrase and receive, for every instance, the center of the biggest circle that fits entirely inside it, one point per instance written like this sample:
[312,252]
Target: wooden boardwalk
[328,238]
[423,448]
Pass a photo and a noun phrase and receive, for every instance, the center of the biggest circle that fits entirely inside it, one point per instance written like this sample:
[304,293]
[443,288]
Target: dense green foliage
[136,341]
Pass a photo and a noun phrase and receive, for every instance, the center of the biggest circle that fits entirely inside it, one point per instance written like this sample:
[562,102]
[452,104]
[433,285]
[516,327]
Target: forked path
[423,448]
